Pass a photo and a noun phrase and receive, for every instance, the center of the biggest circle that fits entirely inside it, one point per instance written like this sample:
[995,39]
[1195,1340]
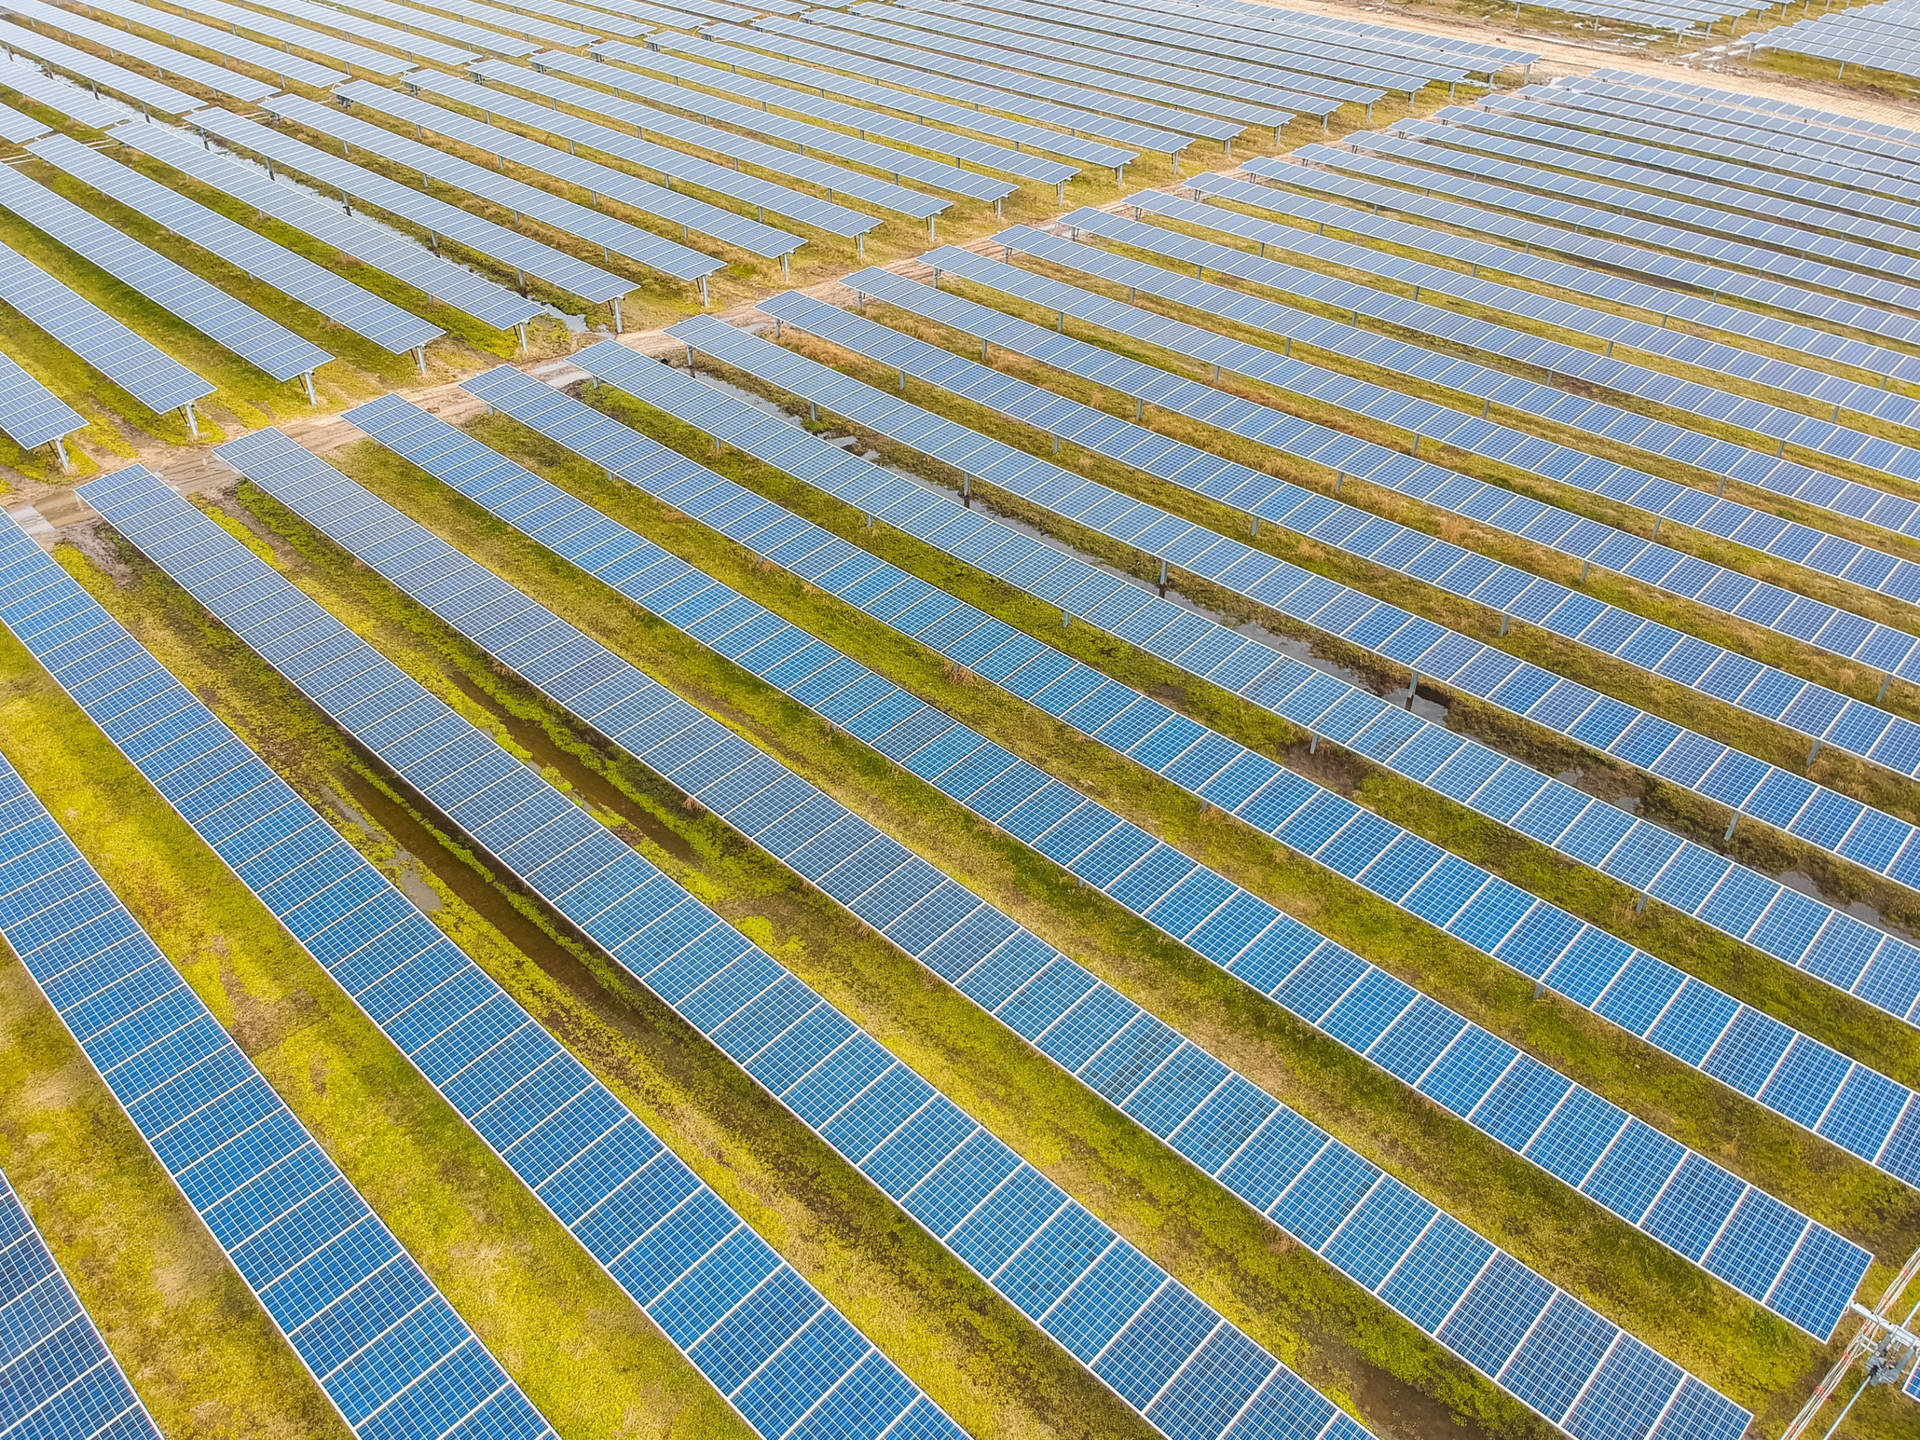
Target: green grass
[1623,1273]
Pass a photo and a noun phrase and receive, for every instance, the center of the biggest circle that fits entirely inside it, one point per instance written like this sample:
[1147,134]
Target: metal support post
[420,359]
[306,379]
[193,424]
[521,330]
[60,449]
[1886,682]
[617,327]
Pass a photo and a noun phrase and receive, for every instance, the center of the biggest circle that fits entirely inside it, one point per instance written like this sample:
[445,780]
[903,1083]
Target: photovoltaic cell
[57,1376]
[163,58]
[142,90]
[1573,958]
[558,1128]
[31,414]
[1218,919]
[322,1265]
[849,1090]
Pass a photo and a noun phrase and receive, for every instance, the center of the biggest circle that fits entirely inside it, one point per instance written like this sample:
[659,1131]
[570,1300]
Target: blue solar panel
[562,1132]
[1209,908]
[269,1195]
[31,414]
[57,1376]
[1696,882]
[859,1098]
[1518,925]
[1135,1060]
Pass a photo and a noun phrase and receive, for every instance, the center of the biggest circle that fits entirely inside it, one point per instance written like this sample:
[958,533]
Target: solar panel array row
[385,1346]
[985,86]
[210,310]
[437,217]
[31,414]
[899,164]
[1758,110]
[1558,359]
[1681,226]
[1481,434]
[62,96]
[801,63]
[1522,129]
[582,23]
[1824,156]
[143,90]
[290,69]
[670,163]
[1552,312]
[509,19]
[1322,982]
[662,1234]
[145,372]
[340,300]
[957,30]
[57,1376]
[1799,544]
[1191,76]
[995,66]
[408,17]
[1658,746]
[1360,34]
[836,180]
[16,127]
[641,246]
[165,59]
[1590,250]
[1701,262]
[1884,37]
[1800,1079]
[865,121]
[292,37]
[372,244]
[1119,1051]
[547,160]
[1813,710]
[1250,74]
[1136,1327]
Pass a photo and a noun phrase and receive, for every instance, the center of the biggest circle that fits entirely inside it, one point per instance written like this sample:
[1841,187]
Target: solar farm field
[958,718]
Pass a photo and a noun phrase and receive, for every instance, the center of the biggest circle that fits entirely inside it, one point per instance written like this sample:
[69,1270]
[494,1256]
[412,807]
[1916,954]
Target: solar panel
[437,217]
[829,1074]
[1796,123]
[988,66]
[150,376]
[955,81]
[295,37]
[166,60]
[865,121]
[1590,249]
[1167,86]
[1828,820]
[824,70]
[61,1378]
[371,244]
[1562,363]
[407,17]
[1815,623]
[1368,38]
[563,24]
[836,180]
[61,96]
[638,245]
[1246,936]
[1183,71]
[142,90]
[871,875]
[31,414]
[210,310]
[361,311]
[178,29]
[1609,326]
[384,1345]
[672,164]
[545,159]
[16,127]
[899,164]
[1880,1119]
